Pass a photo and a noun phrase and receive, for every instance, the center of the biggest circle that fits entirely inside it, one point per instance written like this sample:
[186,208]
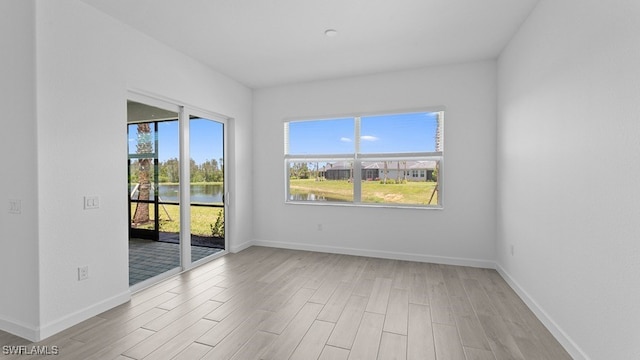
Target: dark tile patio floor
[148,258]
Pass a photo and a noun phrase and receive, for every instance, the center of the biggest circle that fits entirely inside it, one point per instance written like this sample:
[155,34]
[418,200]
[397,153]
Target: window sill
[381,206]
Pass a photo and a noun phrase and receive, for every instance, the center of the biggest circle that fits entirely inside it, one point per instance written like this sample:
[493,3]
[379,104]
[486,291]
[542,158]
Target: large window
[387,159]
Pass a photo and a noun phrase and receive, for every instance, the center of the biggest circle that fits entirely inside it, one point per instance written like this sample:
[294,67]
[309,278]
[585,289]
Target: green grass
[414,193]
[201,218]
[340,190]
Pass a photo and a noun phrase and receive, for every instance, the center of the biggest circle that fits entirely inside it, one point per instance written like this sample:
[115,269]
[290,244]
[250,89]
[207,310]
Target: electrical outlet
[91,202]
[83,273]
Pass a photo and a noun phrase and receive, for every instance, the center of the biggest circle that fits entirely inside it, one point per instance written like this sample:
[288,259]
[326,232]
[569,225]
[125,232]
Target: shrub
[217,229]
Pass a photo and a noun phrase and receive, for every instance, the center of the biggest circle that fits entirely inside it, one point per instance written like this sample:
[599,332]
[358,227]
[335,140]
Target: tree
[171,169]
[405,170]
[196,173]
[144,146]
[386,170]
[299,171]
[208,169]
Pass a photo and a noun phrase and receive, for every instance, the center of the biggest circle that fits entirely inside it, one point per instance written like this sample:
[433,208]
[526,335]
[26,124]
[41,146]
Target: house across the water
[376,170]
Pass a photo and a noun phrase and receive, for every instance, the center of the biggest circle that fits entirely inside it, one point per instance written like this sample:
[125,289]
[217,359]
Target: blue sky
[413,132]
[378,134]
[205,138]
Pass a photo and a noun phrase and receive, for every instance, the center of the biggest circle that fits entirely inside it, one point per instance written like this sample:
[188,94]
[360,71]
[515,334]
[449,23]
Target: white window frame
[357,158]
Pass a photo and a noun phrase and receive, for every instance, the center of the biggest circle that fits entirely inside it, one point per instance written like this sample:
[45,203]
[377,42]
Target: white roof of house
[391,165]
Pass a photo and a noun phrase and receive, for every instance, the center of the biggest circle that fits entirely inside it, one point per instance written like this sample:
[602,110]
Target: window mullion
[357,181]
[357,165]
[286,138]
[356,135]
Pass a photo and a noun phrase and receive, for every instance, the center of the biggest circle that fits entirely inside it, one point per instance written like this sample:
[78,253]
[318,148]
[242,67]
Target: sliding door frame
[184,112]
[185,194]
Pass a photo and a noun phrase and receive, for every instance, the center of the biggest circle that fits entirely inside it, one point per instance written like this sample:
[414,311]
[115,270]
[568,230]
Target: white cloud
[368,138]
[345,139]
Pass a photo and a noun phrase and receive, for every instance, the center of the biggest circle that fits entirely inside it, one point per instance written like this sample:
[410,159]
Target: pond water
[310,196]
[200,193]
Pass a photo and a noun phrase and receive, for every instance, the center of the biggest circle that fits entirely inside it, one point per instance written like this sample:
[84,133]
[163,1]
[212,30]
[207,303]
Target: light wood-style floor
[265,303]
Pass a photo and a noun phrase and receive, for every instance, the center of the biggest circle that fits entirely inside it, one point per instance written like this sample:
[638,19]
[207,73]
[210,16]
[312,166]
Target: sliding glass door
[165,237]
[206,148]
[143,180]
[154,215]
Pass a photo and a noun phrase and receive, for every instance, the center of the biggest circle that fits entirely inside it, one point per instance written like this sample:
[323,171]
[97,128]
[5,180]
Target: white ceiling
[271,42]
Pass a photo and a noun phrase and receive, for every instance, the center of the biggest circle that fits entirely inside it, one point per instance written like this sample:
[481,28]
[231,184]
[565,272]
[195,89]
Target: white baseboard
[572,348]
[240,247]
[20,329]
[77,317]
[378,254]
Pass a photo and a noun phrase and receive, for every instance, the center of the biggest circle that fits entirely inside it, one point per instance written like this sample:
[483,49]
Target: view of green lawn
[414,193]
[202,217]
[337,190]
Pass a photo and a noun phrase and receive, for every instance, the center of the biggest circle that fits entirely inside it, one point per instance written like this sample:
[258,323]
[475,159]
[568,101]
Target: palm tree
[144,146]
[386,170]
[405,170]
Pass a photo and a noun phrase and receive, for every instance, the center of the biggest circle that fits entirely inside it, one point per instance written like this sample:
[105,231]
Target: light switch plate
[15,206]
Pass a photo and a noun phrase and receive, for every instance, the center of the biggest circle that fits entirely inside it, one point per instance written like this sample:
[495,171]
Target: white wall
[18,178]
[86,62]
[569,170]
[464,232]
